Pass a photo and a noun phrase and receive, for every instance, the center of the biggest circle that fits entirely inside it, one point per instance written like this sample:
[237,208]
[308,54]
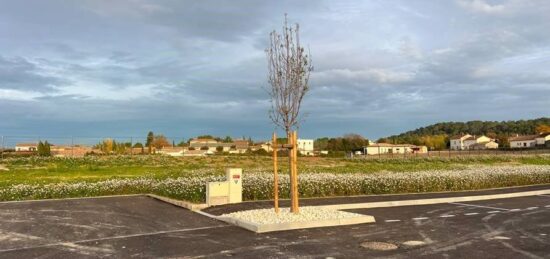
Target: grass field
[29,178]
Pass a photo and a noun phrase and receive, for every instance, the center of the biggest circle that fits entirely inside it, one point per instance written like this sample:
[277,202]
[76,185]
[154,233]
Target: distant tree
[204,148]
[542,128]
[106,146]
[219,149]
[227,139]
[149,142]
[47,149]
[160,141]
[182,144]
[40,148]
[321,143]
[261,152]
[43,149]
[120,147]
[503,140]
[433,142]
[138,145]
[382,140]
[114,146]
[173,143]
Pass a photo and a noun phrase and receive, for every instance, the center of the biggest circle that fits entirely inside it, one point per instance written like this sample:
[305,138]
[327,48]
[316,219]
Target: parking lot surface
[141,227]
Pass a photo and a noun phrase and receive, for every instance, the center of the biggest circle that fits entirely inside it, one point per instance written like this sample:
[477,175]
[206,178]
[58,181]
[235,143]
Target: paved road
[143,227]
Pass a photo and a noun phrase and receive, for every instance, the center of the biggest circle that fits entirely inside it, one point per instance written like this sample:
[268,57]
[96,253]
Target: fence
[73,146]
[458,153]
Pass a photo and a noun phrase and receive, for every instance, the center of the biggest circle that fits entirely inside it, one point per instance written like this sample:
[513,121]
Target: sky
[185,68]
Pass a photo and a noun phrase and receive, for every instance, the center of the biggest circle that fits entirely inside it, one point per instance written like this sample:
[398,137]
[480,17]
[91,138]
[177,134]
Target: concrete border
[263,228]
[179,203]
[408,193]
[367,218]
[383,204]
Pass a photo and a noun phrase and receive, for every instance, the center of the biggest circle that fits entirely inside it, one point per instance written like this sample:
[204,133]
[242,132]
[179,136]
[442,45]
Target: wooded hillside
[434,135]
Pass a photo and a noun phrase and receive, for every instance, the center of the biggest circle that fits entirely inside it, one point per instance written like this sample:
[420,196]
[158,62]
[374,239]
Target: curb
[263,228]
[180,203]
[384,204]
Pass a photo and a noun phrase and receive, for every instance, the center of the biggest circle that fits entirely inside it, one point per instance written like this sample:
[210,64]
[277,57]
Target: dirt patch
[3,168]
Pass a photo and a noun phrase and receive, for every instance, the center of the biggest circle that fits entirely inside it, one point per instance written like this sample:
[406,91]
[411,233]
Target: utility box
[217,193]
[235,179]
[230,191]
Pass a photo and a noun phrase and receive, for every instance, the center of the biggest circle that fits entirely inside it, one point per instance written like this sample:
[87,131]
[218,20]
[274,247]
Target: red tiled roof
[522,138]
[390,145]
[26,144]
[458,136]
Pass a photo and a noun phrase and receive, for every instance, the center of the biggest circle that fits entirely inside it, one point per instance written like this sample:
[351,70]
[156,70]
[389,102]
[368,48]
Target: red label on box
[236,176]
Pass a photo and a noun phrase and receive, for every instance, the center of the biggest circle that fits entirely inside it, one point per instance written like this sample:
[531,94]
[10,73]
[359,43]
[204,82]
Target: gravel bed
[308,213]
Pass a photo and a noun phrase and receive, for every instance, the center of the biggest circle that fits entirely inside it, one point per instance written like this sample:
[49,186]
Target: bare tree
[289,67]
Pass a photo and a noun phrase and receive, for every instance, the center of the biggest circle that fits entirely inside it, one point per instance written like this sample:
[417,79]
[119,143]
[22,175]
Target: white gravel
[268,216]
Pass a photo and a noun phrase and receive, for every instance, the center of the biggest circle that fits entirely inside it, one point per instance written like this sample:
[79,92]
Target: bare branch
[289,68]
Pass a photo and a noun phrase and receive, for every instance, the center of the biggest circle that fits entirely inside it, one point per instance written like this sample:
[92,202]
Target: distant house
[240,146]
[467,141]
[484,145]
[194,153]
[201,143]
[207,146]
[305,147]
[386,148]
[171,151]
[26,147]
[266,146]
[529,141]
[69,151]
[211,146]
[457,142]
[543,138]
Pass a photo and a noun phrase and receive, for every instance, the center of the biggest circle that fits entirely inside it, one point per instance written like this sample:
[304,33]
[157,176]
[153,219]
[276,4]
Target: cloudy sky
[182,68]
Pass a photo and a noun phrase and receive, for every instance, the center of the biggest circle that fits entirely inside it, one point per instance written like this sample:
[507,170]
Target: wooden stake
[295,171]
[291,170]
[275,174]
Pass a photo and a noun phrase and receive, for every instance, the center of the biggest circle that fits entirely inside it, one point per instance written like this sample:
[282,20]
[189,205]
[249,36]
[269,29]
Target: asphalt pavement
[142,227]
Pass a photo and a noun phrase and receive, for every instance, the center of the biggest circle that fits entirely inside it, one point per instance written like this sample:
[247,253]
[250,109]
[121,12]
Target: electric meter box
[235,179]
[229,191]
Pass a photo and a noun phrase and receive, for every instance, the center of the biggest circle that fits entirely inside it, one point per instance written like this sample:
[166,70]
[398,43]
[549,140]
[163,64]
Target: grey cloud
[20,74]
[217,20]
